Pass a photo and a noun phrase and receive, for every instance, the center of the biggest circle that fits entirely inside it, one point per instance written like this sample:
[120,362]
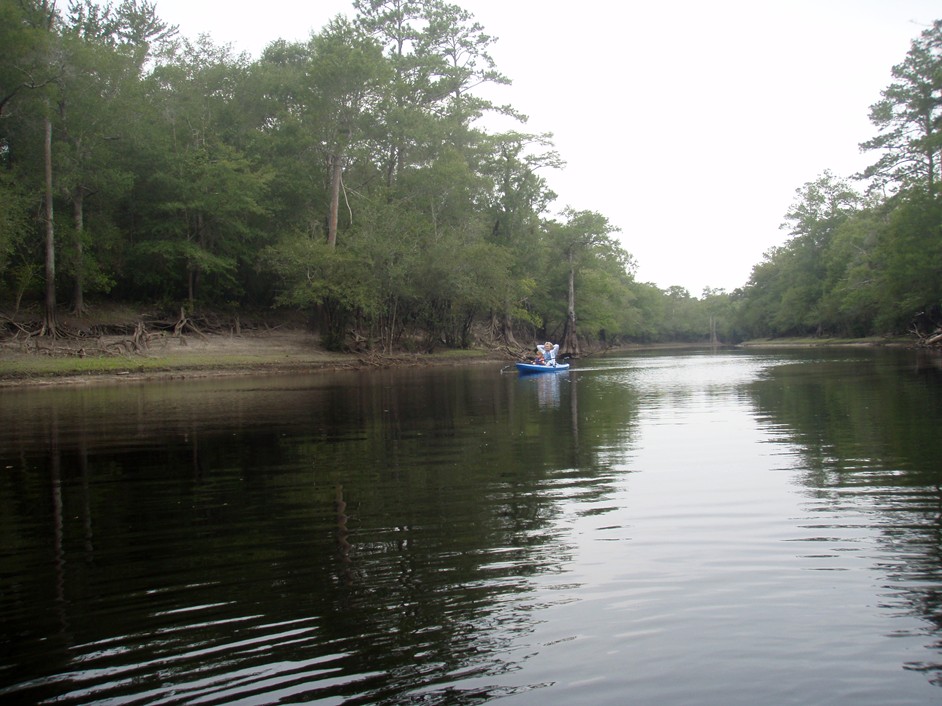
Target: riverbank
[117,345]
[107,348]
[871,341]
[60,362]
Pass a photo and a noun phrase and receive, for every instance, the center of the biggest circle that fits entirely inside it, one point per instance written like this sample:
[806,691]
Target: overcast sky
[688,124]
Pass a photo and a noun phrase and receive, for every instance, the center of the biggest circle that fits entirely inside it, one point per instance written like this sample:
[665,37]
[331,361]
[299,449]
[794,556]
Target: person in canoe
[548,352]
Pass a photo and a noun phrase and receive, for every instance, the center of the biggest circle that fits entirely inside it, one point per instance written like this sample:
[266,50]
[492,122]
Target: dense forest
[352,177]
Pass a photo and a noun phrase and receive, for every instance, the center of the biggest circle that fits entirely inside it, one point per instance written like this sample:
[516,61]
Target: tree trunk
[78,216]
[336,173]
[570,343]
[193,270]
[502,326]
[50,327]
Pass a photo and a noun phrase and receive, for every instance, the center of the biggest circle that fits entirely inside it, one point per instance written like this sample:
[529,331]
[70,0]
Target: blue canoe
[527,368]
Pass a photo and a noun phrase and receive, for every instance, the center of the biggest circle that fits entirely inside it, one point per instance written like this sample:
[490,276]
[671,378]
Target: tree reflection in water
[409,536]
[869,438]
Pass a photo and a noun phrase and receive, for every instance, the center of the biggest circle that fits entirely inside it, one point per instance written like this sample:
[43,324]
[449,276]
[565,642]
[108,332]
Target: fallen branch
[20,328]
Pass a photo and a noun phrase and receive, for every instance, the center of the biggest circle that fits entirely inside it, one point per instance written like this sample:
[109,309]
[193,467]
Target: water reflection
[378,533]
[866,427]
[547,387]
[455,536]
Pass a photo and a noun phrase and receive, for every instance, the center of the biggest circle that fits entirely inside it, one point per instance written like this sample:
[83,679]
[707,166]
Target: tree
[909,119]
[45,18]
[49,302]
[518,197]
[853,301]
[716,304]
[29,69]
[819,209]
[288,137]
[909,253]
[346,72]
[27,76]
[438,56]
[26,33]
[196,207]
[105,50]
[458,47]
[583,239]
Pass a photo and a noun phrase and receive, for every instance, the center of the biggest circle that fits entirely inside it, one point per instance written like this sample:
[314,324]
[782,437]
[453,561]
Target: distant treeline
[863,262]
[351,176]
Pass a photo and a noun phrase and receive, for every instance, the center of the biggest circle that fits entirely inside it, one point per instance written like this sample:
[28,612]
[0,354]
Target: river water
[710,528]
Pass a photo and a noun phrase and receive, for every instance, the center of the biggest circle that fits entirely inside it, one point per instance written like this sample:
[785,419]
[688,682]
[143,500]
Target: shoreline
[38,363]
[82,362]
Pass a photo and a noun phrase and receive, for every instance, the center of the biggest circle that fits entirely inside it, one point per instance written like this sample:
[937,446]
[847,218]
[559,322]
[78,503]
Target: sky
[688,124]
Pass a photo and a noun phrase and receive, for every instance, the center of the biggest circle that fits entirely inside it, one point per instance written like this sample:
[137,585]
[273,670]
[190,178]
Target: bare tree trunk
[570,343]
[336,172]
[50,327]
[193,270]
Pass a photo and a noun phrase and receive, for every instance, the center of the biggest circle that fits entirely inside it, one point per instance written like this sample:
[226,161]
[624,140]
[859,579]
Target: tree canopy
[353,175]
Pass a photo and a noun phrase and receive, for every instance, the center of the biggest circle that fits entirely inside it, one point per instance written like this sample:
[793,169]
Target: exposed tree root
[184,323]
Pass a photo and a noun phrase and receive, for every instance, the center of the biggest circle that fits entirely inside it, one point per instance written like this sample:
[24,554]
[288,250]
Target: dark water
[727,528]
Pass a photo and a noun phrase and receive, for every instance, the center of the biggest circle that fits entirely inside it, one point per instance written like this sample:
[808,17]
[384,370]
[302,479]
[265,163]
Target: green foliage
[182,170]
[186,166]
[853,267]
[312,274]
[14,217]
[910,253]
[909,120]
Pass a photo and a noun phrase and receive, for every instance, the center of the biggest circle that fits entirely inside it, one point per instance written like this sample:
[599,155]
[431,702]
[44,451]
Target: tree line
[864,253]
[352,176]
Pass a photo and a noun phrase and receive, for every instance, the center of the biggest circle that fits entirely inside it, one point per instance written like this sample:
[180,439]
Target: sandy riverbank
[80,360]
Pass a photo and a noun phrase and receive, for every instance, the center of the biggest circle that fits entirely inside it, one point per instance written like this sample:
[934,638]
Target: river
[732,527]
